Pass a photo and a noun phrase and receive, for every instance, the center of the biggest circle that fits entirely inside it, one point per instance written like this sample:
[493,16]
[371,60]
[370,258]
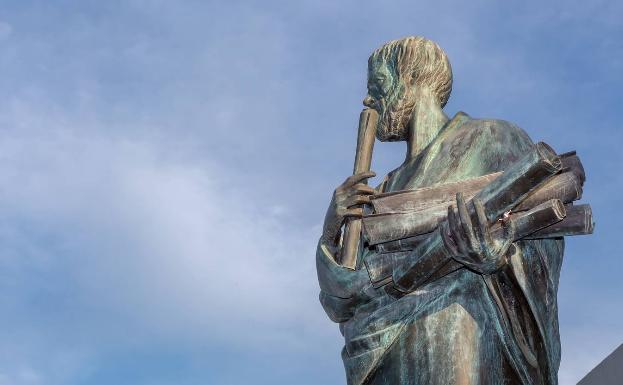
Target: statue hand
[346,198]
[473,244]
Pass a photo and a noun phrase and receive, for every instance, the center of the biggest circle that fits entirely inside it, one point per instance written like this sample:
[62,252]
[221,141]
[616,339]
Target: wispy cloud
[129,245]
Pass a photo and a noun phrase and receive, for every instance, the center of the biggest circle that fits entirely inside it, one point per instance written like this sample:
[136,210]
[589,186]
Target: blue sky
[165,168]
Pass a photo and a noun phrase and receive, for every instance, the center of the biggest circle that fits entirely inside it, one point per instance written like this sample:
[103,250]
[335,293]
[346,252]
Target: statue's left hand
[473,244]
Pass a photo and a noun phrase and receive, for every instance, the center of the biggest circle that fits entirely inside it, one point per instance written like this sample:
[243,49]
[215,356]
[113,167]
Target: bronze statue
[447,273]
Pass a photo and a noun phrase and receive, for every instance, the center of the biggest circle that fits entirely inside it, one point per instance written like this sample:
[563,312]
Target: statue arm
[339,285]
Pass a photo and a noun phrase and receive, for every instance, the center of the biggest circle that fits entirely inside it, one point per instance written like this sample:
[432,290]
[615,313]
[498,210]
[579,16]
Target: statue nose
[369,101]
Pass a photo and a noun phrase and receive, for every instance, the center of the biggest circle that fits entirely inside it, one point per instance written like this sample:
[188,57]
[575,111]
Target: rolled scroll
[571,162]
[363,158]
[579,221]
[565,186]
[539,217]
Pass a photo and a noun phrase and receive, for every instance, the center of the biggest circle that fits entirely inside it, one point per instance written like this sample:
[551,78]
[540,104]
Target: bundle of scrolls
[538,192]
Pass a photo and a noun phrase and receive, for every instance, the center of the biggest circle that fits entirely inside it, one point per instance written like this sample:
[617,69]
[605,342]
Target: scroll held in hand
[363,158]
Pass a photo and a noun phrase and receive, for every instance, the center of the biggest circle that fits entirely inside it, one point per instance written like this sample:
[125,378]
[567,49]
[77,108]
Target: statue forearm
[335,279]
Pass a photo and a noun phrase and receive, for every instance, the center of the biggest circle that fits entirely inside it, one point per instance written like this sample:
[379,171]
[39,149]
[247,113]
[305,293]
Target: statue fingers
[509,234]
[361,188]
[446,237]
[483,223]
[359,177]
[509,229]
[457,234]
[355,200]
[466,223]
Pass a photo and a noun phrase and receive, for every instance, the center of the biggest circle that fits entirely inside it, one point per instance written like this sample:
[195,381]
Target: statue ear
[404,73]
[407,77]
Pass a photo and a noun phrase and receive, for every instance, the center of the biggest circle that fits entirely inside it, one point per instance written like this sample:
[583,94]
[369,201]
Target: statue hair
[421,59]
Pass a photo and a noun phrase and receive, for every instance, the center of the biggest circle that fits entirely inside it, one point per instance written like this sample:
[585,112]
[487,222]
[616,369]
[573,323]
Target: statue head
[399,71]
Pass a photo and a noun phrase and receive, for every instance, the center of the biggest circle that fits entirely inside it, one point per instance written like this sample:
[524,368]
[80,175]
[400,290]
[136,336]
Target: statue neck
[426,121]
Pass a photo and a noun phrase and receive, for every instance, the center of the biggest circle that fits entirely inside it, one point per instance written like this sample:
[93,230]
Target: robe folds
[463,328]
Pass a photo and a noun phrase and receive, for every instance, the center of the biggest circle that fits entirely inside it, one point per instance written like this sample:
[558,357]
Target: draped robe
[463,328]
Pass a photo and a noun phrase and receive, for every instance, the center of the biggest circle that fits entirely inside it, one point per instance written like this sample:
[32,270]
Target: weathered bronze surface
[450,273]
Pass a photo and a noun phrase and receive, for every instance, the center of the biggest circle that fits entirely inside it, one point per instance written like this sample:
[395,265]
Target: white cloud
[146,247]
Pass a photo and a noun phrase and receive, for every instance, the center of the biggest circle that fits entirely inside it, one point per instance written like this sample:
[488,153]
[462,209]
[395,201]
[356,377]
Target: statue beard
[394,119]
[394,115]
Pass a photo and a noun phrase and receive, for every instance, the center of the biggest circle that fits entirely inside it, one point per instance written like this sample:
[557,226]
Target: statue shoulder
[494,131]
[487,145]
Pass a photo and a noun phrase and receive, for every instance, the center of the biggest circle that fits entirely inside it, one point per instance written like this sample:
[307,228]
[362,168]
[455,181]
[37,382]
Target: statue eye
[378,85]
[382,85]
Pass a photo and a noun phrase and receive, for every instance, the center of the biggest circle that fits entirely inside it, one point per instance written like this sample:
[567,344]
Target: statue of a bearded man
[473,324]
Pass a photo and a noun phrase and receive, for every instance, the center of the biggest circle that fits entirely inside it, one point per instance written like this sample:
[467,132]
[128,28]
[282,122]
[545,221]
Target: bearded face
[393,98]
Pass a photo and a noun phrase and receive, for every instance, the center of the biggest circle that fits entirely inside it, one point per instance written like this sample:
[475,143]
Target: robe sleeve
[340,287]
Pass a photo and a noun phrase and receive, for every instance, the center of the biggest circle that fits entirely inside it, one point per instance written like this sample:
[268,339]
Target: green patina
[454,330]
